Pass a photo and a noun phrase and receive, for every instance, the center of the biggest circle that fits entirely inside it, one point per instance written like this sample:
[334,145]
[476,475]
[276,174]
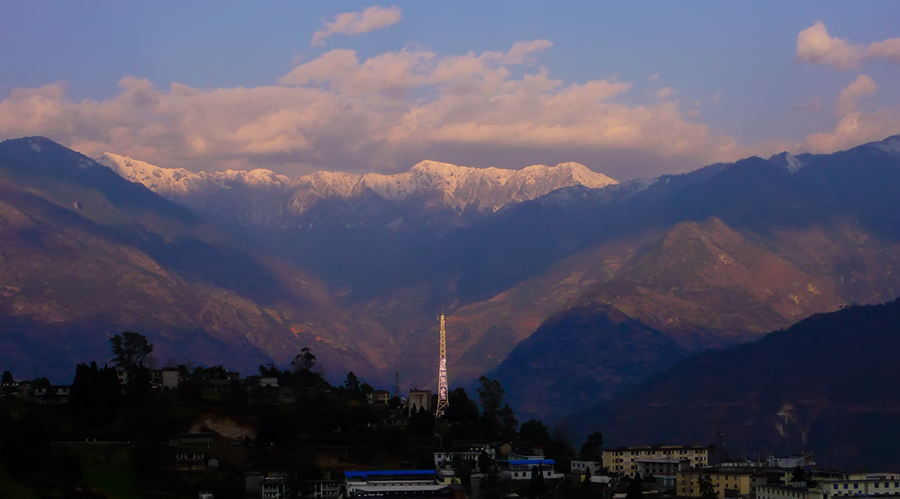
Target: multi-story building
[665,471]
[727,482]
[624,459]
[444,458]
[278,486]
[327,489]
[840,485]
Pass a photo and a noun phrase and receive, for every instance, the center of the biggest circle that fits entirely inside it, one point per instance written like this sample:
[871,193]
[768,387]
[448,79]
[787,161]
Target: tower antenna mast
[443,385]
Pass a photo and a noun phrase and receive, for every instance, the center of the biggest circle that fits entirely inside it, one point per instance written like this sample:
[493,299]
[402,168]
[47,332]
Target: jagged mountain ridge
[437,185]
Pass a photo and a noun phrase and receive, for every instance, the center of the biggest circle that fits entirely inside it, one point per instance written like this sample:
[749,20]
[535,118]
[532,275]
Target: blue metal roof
[366,474]
[532,461]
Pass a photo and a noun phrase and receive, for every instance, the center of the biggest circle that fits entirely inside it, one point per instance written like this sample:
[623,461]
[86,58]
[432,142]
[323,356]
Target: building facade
[624,459]
[665,471]
[444,458]
[726,482]
[419,400]
[523,469]
[395,483]
[579,467]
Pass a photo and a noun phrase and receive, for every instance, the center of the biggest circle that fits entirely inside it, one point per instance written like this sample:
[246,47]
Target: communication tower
[443,386]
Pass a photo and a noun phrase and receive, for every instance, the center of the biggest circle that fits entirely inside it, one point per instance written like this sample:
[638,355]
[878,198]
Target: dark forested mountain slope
[580,356]
[86,254]
[827,384]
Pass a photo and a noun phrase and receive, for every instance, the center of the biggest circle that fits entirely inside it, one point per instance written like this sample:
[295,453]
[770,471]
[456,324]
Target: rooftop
[657,447]
[367,474]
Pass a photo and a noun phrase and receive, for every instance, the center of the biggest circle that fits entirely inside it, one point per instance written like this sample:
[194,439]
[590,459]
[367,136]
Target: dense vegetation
[113,440]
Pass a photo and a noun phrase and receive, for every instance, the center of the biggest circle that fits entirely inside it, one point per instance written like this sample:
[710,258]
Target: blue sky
[667,86]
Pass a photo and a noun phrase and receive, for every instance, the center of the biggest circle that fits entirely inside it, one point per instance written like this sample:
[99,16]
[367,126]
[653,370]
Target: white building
[578,467]
[444,458]
[419,400]
[791,462]
[394,483]
[522,469]
[851,484]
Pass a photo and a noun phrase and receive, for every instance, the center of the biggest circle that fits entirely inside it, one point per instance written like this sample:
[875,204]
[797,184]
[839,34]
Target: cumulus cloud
[855,125]
[815,45]
[383,113]
[356,23]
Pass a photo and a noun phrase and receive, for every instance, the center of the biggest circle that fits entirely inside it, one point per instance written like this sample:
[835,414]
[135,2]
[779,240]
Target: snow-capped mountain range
[436,185]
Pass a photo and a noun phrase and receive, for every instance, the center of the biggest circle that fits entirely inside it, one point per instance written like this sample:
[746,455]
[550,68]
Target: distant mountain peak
[44,152]
[890,145]
[441,185]
[787,160]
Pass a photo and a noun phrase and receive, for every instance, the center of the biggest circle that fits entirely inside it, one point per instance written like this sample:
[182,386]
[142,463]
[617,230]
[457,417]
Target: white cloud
[664,92]
[653,77]
[356,23]
[815,45]
[383,113]
[855,125]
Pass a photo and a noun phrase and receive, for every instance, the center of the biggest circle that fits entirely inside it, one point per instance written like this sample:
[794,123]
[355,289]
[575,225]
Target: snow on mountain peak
[443,184]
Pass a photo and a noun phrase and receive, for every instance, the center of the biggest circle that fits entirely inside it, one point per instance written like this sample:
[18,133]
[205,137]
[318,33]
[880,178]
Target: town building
[278,485]
[523,469]
[395,483]
[419,399]
[203,438]
[378,397]
[190,460]
[885,485]
[727,482]
[791,462]
[579,467]
[53,394]
[444,458]
[624,459]
[665,471]
[327,489]
[167,378]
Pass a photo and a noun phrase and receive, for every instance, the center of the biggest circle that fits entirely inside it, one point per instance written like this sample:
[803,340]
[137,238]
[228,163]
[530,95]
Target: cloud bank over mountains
[386,112]
[854,125]
[383,113]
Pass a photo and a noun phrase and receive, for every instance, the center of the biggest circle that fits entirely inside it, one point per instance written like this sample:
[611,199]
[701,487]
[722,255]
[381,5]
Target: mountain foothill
[570,288]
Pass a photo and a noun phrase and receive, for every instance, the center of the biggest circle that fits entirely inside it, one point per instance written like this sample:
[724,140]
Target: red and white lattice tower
[443,385]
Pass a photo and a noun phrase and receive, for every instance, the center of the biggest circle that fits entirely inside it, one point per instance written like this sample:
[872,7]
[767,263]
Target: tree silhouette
[130,350]
[635,488]
[591,448]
